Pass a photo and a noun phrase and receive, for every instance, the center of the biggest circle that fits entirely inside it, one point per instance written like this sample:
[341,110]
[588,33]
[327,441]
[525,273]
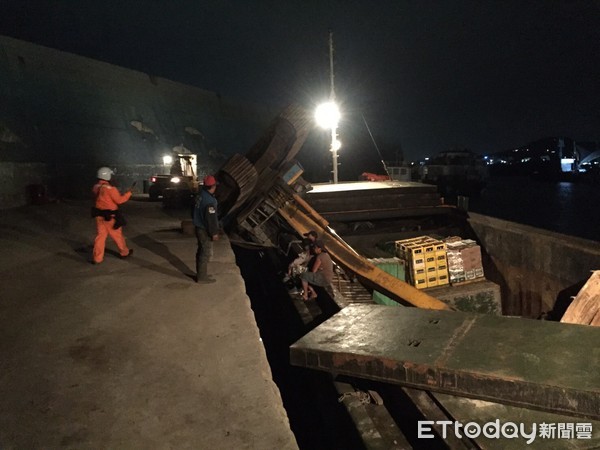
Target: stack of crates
[426,260]
[464,260]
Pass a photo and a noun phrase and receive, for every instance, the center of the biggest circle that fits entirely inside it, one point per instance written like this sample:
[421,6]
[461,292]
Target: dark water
[568,208]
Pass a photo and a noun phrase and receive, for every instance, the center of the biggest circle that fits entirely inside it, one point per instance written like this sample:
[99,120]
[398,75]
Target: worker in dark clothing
[206,222]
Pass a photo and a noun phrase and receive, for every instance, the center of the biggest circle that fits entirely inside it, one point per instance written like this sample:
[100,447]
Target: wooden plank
[585,308]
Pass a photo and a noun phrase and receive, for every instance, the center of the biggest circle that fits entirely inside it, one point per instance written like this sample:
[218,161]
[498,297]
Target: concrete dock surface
[129,353]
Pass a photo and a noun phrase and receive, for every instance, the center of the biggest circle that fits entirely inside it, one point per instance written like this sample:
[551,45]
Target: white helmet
[104,173]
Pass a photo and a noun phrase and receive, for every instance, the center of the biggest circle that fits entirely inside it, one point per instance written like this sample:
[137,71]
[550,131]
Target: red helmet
[209,181]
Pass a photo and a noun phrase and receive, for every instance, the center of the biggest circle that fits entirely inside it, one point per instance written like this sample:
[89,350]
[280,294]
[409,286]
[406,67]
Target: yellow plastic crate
[420,283]
[413,248]
[418,272]
[443,279]
[429,248]
[432,280]
[422,251]
[440,247]
[417,262]
[414,256]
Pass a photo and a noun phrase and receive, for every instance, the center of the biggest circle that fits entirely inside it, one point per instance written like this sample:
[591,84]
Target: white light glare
[167,159]
[175,180]
[327,115]
[336,145]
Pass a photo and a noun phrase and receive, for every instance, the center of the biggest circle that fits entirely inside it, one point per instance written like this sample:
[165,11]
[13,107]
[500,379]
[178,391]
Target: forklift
[179,187]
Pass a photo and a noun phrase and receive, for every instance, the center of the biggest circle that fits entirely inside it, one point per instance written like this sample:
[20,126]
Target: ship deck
[372,200]
[321,188]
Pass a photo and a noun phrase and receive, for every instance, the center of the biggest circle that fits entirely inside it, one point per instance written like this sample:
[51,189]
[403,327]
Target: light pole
[328,115]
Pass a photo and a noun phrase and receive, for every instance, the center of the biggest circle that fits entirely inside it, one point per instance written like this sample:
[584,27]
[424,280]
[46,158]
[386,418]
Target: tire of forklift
[153,193]
[177,198]
[169,198]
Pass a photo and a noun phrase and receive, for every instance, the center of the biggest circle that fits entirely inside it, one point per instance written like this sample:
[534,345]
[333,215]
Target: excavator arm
[351,261]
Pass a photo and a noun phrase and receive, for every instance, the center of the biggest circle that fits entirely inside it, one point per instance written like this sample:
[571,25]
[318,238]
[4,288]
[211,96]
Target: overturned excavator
[260,195]
[442,359]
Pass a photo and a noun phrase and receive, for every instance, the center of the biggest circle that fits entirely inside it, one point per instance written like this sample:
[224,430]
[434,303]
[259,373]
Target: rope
[376,147]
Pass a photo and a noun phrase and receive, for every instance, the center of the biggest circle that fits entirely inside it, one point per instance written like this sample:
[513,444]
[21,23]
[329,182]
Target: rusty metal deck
[542,365]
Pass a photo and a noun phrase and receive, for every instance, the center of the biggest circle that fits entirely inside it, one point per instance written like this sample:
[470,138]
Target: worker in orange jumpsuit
[106,213]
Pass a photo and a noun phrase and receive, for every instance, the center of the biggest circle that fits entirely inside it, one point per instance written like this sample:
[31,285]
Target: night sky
[427,75]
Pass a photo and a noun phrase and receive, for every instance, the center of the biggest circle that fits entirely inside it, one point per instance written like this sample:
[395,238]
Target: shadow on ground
[162,250]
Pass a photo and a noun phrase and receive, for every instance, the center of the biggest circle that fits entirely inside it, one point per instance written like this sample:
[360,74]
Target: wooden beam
[585,308]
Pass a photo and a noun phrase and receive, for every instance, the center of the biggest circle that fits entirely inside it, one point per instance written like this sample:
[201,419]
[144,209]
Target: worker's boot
[202,275]
[204,279]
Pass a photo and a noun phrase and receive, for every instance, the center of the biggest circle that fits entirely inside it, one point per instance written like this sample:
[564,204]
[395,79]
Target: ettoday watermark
[507,430]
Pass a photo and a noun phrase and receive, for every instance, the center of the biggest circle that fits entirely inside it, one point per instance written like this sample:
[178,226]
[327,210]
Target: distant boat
[459,172]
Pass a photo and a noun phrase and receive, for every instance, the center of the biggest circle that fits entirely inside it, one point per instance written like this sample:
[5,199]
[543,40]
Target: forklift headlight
[175,180]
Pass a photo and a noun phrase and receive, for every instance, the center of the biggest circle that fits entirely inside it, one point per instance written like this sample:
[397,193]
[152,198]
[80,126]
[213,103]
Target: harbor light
[167,159]
[328,115]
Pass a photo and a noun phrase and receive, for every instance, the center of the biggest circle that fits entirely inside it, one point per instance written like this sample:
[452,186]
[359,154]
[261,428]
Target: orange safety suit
[108,198]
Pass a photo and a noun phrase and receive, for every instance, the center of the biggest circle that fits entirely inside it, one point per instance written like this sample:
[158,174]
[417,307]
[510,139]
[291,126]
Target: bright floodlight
[328,115]
[167,159]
